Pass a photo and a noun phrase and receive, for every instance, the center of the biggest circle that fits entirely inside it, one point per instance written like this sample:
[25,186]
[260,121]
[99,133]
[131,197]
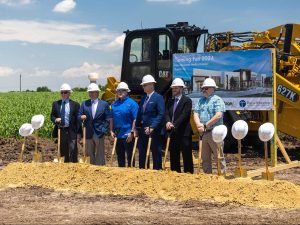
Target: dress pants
[179,143]
[95,149]
[209,147]
[123,148]
[156,148]
[68,146]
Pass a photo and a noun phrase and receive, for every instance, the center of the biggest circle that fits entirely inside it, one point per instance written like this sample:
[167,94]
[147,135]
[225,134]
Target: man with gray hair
[96,116]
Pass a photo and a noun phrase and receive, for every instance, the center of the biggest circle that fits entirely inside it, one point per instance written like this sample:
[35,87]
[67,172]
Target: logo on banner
[243,103]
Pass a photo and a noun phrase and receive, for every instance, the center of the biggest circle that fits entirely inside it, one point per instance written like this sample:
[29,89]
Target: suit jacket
[100,123]
[74,125]
[153,116]
[181,115]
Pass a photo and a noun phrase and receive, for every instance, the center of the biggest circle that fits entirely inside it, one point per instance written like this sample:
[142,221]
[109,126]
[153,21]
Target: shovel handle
[166,152]
[219,163]
[240,153]
[148,152]
[22,150]
[58,143]
[134,150]
[113,151]
[84,143]
[200,154]
[266,156]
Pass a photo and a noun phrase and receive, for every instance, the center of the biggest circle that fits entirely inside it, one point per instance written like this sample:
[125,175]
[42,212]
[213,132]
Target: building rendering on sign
[238,80]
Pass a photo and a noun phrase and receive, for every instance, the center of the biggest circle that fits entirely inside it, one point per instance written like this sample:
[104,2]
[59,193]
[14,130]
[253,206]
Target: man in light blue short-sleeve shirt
[208,113]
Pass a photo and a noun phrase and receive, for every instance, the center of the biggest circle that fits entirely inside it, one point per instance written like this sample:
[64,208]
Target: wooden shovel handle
[58,143]
[166,152]
[22,150]
[134,150]
[148,152]
[113,151]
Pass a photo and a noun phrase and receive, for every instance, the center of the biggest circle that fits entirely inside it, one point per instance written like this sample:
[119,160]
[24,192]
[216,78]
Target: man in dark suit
[178,112]
[64,114]
[150,119]
[97,118]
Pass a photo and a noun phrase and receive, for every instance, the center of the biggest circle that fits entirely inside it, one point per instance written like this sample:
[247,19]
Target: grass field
[17,108]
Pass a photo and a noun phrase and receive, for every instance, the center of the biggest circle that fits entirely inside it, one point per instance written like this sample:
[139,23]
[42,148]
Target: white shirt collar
[150,94]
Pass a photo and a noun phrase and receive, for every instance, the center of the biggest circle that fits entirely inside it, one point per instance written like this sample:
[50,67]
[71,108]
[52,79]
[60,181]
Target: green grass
[17,108]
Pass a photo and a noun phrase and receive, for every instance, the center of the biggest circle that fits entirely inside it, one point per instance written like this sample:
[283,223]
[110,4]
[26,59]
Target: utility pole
[20,82]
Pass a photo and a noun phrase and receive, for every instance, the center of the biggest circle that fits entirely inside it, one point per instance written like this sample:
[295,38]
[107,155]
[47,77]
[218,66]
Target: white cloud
[104,71]
[6,71]
[181,2]
[15,2]
[64,6]
[38,72]
[60,33]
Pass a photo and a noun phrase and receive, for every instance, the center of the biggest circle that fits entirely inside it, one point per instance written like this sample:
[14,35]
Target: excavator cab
[149,51]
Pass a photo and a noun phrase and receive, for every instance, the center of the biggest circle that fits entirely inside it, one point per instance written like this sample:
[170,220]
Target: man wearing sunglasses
[64,115]
[124,112]
[208,113]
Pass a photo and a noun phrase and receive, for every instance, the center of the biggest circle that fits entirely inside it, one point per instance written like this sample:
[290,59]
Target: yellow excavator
[150,51]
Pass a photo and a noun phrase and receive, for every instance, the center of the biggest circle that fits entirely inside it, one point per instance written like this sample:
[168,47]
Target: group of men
[152,118]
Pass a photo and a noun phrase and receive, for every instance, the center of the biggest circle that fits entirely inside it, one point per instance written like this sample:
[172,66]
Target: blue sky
[51,42]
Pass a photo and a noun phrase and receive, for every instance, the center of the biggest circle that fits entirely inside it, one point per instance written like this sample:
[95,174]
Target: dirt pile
[155,184]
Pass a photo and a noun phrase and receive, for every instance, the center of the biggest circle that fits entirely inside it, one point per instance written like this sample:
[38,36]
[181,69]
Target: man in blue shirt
[124,112]
[150,119]
[208,113]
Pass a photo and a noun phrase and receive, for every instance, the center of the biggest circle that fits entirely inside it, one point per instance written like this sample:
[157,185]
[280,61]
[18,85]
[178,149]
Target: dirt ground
[36,205]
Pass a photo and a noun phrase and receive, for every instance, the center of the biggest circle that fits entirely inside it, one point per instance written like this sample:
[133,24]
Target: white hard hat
[93,76]
[123,85]
[177,82]
[93,87]
[209,82]
[148,79]
[26,129]
[266,132]
[65,87]
[239,129]
[219,133]
[37,121]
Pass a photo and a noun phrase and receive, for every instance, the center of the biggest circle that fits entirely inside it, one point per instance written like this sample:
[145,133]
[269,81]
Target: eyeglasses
[64,92]
[205,88]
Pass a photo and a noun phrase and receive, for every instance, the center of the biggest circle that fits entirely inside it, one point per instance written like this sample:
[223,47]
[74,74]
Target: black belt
[64,128]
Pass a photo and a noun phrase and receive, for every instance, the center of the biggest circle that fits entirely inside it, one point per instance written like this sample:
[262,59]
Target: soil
[35,204]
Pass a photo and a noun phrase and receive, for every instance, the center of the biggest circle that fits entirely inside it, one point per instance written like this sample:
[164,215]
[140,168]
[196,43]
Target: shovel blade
[267,175]
[240,172]
[37,157]
[59,160]
[85,160]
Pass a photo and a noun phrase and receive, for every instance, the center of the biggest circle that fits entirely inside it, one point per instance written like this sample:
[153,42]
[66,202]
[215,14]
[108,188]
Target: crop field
[18,108]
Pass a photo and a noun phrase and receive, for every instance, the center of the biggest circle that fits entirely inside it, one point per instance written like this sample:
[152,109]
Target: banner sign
[244,78]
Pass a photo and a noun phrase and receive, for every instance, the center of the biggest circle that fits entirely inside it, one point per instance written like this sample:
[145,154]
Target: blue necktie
[145,103]
[63,113]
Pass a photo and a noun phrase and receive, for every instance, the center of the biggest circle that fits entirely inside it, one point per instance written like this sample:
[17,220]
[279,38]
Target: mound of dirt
[155,184]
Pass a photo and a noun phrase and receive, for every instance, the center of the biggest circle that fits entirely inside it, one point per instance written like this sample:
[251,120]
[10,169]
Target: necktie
[94,108]
[174,107]
[145,103]
[63,113]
